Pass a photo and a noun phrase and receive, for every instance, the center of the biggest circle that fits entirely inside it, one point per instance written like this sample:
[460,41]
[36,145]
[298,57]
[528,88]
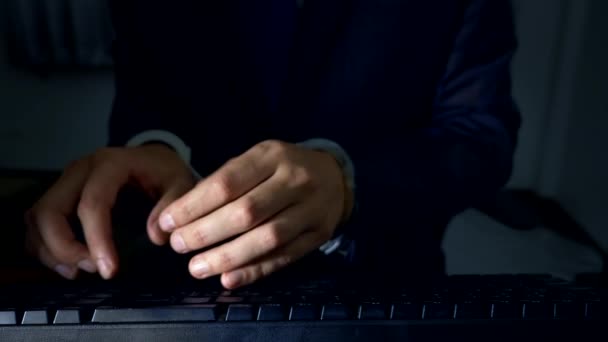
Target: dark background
[53,113]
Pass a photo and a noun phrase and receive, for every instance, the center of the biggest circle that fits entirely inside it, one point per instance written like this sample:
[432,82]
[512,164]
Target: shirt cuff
[169,139]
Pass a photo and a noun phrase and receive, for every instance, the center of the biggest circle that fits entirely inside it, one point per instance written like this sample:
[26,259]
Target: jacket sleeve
[421,179]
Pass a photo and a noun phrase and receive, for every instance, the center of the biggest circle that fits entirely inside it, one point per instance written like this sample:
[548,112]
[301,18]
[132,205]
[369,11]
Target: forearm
[410,184]
[436,173]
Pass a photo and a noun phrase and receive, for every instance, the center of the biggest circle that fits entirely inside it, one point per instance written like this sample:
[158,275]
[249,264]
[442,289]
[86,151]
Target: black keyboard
[476,307]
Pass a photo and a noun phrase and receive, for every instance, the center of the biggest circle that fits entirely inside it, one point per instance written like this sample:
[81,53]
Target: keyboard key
[8,317]
[332,312]
[569,310]
[151,300]
[67,316]
[35,317]
[597,310]
[472,311]
[204,312]
[240,312]
[270,312]
[259,299]
[538,311]
[507,311]
[372,311]
[303,312]
[86,301]
[229,299]
[438,311]
[406,311]
[195,300]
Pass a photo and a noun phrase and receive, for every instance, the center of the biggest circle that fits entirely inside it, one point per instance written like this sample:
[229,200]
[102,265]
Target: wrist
[346,166]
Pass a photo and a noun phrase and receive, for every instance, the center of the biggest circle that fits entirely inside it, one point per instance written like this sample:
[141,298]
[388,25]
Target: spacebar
[191,313]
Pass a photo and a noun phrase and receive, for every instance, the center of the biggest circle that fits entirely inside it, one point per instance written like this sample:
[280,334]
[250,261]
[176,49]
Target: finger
[63,195]
[232,180]
[157,236]
[258,205]
[275,261]
[252,245]
[49,217]
[94,211]
[36,247]
[61,242]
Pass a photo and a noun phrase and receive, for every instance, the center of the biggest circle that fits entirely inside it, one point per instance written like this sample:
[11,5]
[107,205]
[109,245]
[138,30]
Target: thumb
[175,191]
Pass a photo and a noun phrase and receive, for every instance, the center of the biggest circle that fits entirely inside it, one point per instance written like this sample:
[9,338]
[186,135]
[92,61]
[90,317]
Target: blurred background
[56,89]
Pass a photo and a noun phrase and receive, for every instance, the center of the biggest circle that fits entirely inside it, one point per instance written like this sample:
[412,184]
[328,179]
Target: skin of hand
[259,212]
[89,187]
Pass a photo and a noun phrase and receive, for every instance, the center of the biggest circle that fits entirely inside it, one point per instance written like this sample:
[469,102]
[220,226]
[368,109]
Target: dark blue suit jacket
[418,93]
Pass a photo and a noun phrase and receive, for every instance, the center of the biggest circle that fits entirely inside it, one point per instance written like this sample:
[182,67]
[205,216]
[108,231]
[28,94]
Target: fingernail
[166,222]
[200,269]
[66,271]
[178,244]
[234,279]
[104,268]
[87,265]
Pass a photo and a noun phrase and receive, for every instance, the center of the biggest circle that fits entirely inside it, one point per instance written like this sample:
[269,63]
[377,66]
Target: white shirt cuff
[169,139]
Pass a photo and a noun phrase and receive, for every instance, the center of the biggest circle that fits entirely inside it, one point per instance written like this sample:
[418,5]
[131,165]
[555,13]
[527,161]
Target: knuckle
[267,145]
[222,188]
[246,214]
[254,273]
[283,261]
[200,238]
[274,148]
[224,261]
[266,269]
[298,177]
[301,177]
[249,275]
[251,166]
[183,210]
[89,203]
[278,148]
[271,238]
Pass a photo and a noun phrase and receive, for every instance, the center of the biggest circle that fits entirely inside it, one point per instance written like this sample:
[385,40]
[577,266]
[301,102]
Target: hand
[89,187]
[275,203]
